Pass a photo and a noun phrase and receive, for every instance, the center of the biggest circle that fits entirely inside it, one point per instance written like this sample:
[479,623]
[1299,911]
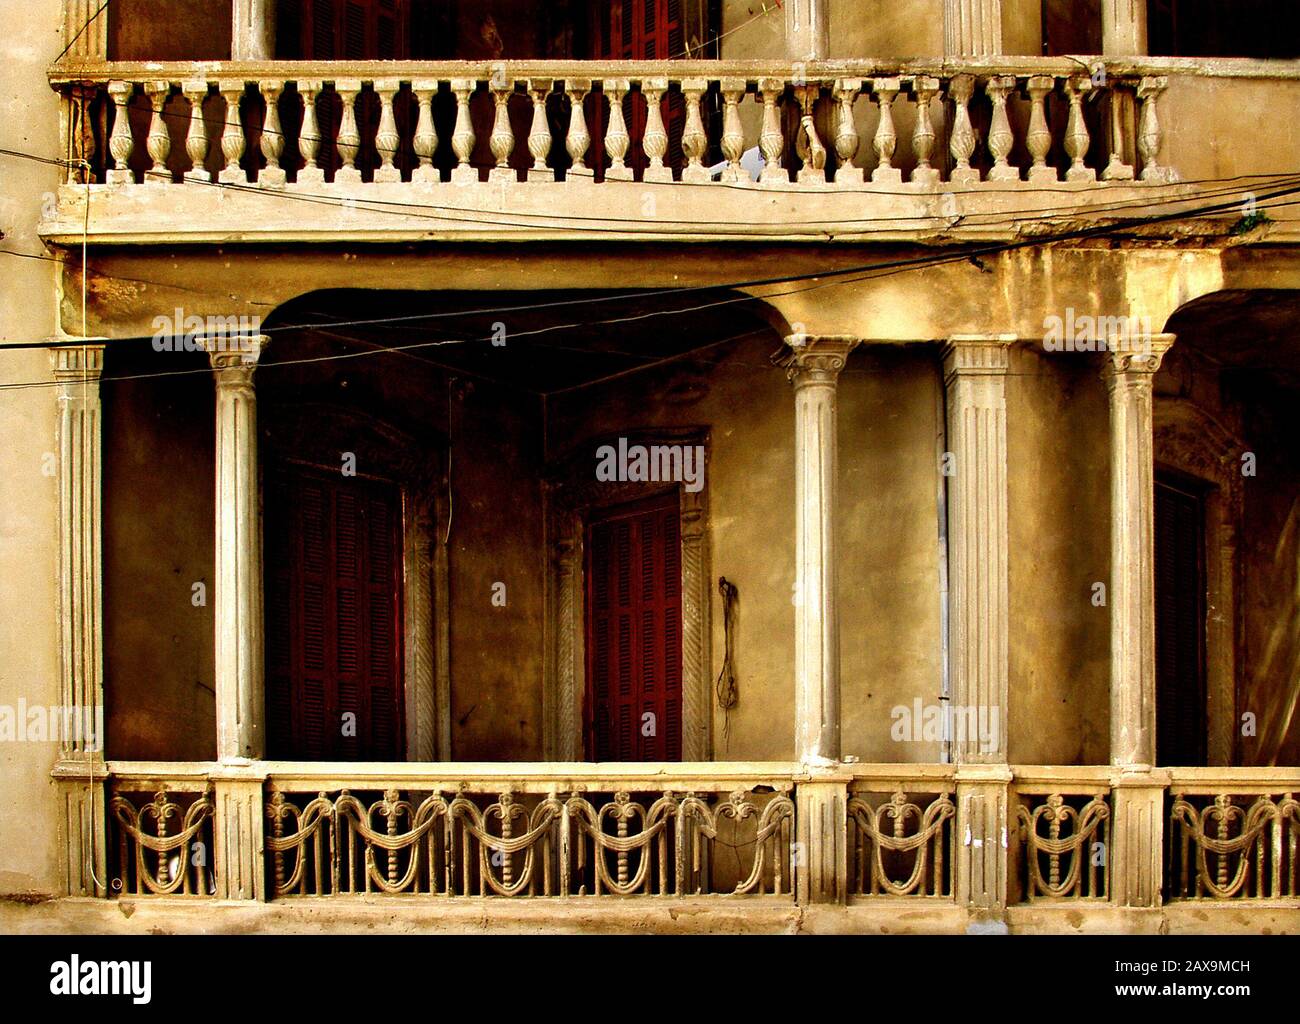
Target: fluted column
[975,368]
[238,590]
[972,28]
[252,30]
[807,29]
[81,686]
[1123,28]
[814,369]
[1128,376]
[77,371]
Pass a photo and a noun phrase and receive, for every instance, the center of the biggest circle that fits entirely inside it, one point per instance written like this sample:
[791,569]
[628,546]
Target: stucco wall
[159,500]
[29,665]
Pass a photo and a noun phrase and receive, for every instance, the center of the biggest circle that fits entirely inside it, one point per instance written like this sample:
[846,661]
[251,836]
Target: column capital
[75,363]
[977,354]
[234,353]
[817,359]
[1140,356]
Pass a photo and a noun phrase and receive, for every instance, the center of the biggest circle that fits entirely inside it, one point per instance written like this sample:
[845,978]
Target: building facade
[628,464]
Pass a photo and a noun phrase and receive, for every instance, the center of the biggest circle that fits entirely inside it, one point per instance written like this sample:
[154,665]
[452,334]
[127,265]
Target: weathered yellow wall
[158,541]
[496,536]
[1058,500]
[29,667]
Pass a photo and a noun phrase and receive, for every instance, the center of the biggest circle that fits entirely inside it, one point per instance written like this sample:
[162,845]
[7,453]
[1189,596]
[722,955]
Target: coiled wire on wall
[728,694]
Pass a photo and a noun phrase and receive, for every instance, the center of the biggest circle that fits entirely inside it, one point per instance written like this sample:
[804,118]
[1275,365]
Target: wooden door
[1180,622]
[633,707]
[333,557]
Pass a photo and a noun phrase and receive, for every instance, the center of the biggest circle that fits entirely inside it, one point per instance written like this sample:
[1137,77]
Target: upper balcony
[702,124]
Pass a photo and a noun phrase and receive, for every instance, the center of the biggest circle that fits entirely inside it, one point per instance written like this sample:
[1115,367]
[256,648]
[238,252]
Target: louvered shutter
[638,30]
[346,29]
[333,617]
[633,572]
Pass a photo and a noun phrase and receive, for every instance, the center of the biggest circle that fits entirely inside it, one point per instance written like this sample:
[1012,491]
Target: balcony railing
[711,831]
[303,123]
[392,137]
[1232,836]
[513,836]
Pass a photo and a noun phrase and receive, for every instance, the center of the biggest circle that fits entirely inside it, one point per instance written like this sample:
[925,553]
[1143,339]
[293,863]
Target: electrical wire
[1110,228]
[870,271]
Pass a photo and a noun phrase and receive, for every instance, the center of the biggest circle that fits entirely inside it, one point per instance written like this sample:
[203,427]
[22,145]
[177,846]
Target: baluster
[962,140]
[733,133]
[578,139]
[1038,137]
[1149,134]
[425,140]
[502,140]
[771,142]
[655,140]
[349,140]
[75,126]
[617,139]
[232,135]
[196,139]
[923,92]
[120,143]
[808,145]
[309,135]
[886,139]
[1076,132]
[387,139]
[272,175]
[539,132]
[1116,168]
[694,140]
[1000,138]
[847,173]
[158,143]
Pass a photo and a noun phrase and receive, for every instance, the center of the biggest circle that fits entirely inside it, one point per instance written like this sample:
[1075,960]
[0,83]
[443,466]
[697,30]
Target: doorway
[633,706]
[1180,593]
[334,675]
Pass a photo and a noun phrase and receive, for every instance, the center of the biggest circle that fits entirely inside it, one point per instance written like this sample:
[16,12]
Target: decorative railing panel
[485,840]
[901,835]
[308,124]
[1231,842]
[1062,827]
[160,840]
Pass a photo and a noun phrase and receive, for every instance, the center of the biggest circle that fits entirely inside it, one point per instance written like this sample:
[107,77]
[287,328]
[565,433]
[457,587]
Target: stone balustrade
[916,833]
[855,125]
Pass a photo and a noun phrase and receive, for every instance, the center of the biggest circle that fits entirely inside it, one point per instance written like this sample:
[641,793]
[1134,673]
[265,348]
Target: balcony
[971,148]
[905,847]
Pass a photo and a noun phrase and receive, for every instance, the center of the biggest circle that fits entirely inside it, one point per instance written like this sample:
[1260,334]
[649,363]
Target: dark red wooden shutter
[1180,583]
[638,30]
[346,29]
[334,629]
[634,650]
